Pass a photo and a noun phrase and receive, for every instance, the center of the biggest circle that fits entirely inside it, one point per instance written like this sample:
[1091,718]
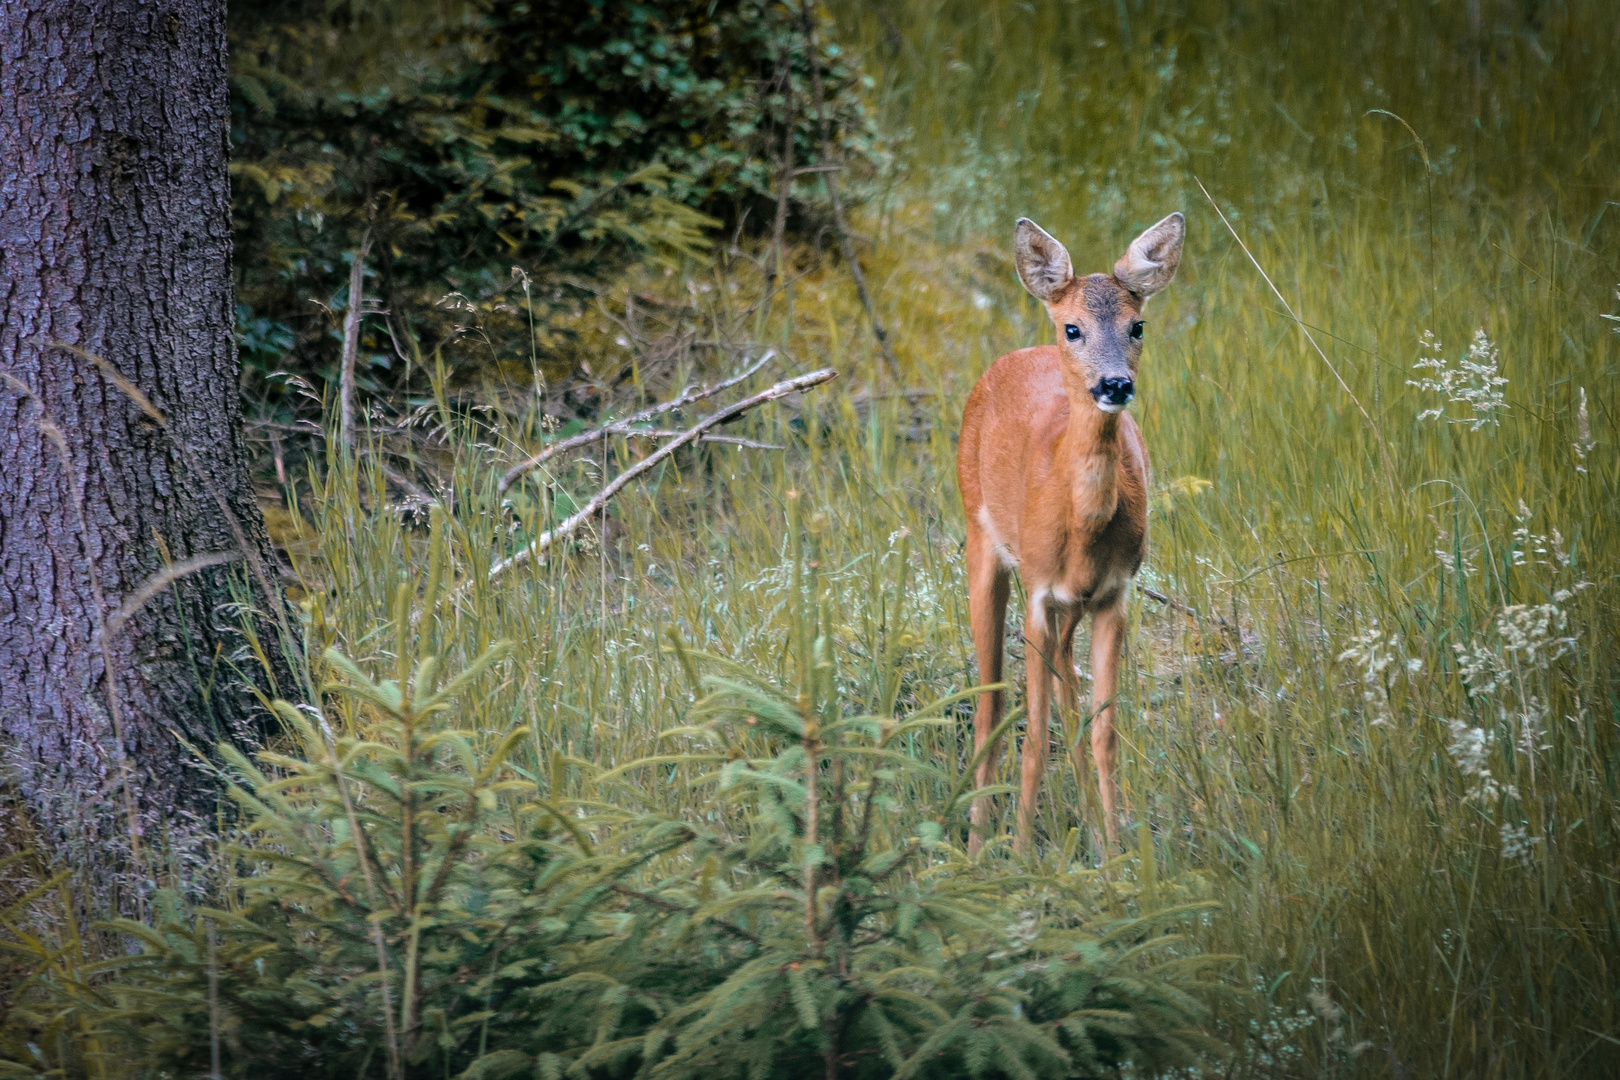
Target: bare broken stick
[691,435]
[627,426]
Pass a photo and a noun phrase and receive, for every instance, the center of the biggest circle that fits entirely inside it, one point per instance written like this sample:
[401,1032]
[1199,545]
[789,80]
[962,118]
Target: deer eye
[1072,332]
[1136,330]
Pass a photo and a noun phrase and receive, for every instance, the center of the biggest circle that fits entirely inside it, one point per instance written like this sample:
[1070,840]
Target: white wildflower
[1530,631]
[1470,748]
[1529,634]
[1474,381]
[1533,726]
[1584,443]
[1517,843]
[1450,553]
[1547,550]
[1564,594]
[1375,655]
[1482,668]
[1330,1012]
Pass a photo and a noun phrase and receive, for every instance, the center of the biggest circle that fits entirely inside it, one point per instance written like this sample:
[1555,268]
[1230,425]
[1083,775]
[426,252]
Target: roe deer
[1054,478]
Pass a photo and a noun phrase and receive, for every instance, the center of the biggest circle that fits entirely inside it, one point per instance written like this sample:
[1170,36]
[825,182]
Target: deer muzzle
[1113,393]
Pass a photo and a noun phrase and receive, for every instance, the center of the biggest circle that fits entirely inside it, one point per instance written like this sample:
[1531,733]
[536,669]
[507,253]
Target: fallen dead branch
[730,440]
[691,435]
[627,425]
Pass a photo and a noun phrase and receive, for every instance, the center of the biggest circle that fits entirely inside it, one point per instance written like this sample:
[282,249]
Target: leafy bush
[414,902]
[704,88]
[569,139]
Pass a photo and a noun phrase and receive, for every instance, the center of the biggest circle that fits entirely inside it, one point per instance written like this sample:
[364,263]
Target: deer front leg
[1040,662]
[1069,679]
[987,609]
[1107,639]
[1070,710]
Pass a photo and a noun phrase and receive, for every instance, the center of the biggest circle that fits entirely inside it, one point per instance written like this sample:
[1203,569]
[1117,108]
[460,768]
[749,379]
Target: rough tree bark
[115,240]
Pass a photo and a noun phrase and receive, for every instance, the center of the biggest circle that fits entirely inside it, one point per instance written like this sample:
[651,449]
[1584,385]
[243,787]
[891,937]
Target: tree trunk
[115,240]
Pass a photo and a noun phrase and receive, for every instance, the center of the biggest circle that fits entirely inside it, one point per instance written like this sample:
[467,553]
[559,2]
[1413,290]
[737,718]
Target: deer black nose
[1114,391]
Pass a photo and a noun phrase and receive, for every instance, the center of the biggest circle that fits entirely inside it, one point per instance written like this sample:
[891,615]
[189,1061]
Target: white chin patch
[1109,408]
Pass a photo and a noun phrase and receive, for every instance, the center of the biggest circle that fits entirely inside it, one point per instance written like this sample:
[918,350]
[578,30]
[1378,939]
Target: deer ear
[1150,262]
[1043,263]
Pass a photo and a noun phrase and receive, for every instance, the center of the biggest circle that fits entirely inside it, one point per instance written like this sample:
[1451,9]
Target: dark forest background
[506,161]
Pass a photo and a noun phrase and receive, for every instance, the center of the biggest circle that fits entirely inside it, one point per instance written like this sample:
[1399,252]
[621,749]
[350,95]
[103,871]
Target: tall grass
[1388,742]
[1396,169]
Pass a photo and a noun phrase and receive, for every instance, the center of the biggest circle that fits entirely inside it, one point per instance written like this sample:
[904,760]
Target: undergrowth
[408,899]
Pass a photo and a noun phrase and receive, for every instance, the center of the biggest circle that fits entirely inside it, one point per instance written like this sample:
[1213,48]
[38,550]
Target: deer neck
[1090,453]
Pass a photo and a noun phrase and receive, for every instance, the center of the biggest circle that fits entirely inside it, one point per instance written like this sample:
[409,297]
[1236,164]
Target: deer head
[1099,317]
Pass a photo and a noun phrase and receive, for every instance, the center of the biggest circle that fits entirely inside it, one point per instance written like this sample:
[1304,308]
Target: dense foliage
[460,141]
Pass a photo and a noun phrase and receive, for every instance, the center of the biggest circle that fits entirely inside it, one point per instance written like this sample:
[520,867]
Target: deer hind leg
[987,609]
[1040,662]
[1107,639]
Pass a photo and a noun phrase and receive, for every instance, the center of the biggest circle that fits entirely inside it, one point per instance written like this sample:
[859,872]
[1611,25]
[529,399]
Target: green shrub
[411,901]
[570,139]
